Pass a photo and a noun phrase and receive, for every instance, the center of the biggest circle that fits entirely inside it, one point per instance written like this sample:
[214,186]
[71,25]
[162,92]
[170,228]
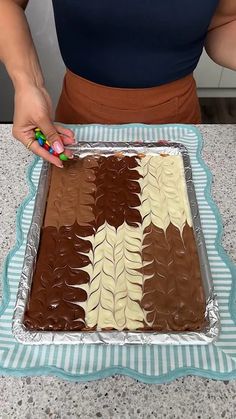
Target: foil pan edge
[204,337]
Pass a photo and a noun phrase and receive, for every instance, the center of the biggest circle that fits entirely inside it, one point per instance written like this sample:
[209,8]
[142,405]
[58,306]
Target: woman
[127,61]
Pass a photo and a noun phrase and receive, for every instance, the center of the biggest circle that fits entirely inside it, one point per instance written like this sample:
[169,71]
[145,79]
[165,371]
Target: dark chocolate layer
[117,191]
[173,295]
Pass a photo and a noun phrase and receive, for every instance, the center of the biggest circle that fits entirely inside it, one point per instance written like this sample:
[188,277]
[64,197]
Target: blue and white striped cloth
[147,363]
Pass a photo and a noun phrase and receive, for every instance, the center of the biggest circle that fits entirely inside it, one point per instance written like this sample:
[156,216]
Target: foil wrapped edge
[28,337]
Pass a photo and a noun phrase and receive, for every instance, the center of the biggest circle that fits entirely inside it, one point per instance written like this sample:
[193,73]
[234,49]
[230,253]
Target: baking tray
[202,337]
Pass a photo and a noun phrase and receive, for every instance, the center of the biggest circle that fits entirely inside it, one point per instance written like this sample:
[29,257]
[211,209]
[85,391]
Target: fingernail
[57,147]
[71,157]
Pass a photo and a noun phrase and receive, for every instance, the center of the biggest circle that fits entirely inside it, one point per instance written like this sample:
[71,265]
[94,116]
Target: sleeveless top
[132,43]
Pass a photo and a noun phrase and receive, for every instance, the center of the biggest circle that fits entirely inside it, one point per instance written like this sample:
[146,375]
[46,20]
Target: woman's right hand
[33,109]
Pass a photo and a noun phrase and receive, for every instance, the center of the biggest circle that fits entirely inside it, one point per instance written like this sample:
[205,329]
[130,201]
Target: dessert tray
[154,270]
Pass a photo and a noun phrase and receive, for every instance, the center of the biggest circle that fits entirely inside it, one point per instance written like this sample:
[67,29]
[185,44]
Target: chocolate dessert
[117,249]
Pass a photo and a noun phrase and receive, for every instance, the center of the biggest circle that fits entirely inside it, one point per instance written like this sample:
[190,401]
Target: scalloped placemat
[151,364]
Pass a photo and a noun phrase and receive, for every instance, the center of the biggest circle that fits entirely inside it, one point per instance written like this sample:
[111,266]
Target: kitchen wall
[212,80]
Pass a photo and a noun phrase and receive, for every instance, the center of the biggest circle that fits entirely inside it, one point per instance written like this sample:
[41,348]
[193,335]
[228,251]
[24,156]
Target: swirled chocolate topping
[117,249]
[117,193]
[88,193]
[57,290]
[173,296]
[71,193]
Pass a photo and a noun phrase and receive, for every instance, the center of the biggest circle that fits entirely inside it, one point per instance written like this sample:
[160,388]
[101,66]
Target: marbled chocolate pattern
[115,287]
[117,194]
[108,259]
[70,196]
[57,290]
[173,297]
[117,249]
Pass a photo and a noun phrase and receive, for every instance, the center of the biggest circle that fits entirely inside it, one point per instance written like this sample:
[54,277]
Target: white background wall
[212,80]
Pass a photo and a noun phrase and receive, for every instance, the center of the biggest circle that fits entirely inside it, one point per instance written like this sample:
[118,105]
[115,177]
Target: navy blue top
[132,43]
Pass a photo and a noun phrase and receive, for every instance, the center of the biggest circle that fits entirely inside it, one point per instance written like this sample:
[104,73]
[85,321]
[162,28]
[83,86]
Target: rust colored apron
[85,102]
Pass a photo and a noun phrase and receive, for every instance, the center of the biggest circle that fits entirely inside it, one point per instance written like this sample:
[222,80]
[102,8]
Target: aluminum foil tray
[202,337]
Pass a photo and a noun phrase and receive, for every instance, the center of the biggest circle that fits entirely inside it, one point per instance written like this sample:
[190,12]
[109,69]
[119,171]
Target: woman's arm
[16,46]
[221,39]
[32,102]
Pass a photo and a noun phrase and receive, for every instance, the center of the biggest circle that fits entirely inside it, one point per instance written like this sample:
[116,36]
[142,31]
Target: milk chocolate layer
[71,190]
[173,296]
[56,291]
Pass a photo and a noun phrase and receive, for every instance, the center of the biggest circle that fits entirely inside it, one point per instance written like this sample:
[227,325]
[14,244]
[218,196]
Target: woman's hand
[33,109]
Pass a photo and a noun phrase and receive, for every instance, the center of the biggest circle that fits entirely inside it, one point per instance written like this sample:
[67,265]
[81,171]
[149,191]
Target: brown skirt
[85,102]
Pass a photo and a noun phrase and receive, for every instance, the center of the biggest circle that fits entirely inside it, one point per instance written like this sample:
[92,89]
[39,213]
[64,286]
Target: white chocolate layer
[163,192]
[115,285]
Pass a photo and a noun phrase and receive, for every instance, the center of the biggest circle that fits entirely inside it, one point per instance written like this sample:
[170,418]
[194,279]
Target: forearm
[17,50]
[221,45]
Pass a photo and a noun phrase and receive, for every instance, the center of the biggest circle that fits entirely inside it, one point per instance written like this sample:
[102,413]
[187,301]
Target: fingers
[36,148]
[69,153]
[66,134]
[41,152]
[55,160]
[67,137]
[46,155]
[55,135]
[52,135]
